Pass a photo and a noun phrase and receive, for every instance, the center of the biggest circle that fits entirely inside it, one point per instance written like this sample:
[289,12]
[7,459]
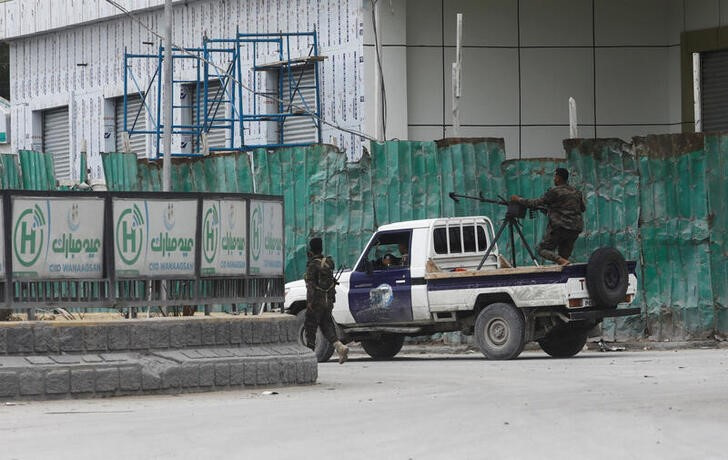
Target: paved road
[642,405]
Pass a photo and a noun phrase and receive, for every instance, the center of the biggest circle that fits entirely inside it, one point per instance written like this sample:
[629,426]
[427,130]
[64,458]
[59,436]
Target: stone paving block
[118,337]
[159,336]
[250,376]
[130,378]
[261,373]
[92,359]
[66,359]
[3,340]
[95,338]
[83,380]
[39,360]
[8,384]
[222,333]
[274,372]
[257,331]
[222,374]
[177,336]
[223,352]
[190,375]
[31,382]
[70,338]
[236,334]
[193,333]
[19,340]
[107,379]
[237,373]
[57,381]
[192,354]
[113,357]
[207,375]
[172,378]
[139,337]
[208,333]
[247,331]
[46,340]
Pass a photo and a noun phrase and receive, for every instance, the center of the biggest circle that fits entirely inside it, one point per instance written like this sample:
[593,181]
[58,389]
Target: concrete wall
[523,59]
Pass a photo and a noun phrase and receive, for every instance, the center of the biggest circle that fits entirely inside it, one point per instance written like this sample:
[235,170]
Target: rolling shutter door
[714,86]
[299,130]
[56,140]
[138,141]
[215,112]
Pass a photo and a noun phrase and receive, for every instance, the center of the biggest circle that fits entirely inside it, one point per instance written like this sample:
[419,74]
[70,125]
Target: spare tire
[607,277]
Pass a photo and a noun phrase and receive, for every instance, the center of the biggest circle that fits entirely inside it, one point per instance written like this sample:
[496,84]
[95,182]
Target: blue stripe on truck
[516,279]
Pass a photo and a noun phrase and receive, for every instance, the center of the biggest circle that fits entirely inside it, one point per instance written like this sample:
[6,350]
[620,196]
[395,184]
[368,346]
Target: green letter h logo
[27,237]
[128,236]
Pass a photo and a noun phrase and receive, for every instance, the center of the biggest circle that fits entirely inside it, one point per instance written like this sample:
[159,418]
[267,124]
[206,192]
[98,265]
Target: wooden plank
[496,272]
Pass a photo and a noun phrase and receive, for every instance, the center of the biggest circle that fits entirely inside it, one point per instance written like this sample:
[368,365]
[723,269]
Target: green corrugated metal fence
[661,200]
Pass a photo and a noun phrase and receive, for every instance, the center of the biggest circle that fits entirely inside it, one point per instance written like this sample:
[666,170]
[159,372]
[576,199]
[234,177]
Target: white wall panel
[424,22]
[485,22]
[702,14]
[544,22]
[637,22]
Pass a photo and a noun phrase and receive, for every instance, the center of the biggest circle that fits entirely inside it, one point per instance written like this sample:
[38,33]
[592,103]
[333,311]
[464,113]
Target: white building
[628,64]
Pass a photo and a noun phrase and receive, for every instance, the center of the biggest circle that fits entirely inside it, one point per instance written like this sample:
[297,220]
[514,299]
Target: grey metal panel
[56,140]
[216,110]
[299,91]
[714,86]
[138,141]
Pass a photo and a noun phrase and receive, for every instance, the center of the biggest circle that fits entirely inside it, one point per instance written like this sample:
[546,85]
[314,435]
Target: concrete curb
[40,360]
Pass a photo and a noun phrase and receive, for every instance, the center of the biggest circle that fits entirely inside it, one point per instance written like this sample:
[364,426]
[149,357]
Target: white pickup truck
[420,277]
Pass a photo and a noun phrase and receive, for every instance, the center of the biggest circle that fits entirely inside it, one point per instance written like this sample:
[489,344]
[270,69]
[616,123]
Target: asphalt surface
[422,405]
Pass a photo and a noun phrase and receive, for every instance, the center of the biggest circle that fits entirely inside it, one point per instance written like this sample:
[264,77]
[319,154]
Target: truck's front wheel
[324,349]
[500,331]
[386,347]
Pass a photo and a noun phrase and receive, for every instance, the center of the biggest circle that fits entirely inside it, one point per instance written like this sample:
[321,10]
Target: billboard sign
[57,237]
[154,237]
[223,237]
[266,238]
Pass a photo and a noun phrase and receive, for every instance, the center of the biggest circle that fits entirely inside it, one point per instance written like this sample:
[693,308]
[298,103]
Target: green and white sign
[266,238]
[223,237]
[57,237]
[154,237]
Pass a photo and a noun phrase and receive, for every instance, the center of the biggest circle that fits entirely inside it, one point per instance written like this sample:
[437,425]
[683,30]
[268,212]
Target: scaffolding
[241,93]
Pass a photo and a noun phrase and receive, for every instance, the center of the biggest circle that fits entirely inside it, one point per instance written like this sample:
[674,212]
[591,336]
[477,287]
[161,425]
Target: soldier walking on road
[320,298]
[565,206]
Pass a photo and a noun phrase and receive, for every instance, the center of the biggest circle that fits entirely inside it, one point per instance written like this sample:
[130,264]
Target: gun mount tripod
[514,212]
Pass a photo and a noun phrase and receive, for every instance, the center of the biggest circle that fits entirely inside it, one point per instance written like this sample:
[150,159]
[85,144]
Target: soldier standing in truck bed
[565,206]
[320,298]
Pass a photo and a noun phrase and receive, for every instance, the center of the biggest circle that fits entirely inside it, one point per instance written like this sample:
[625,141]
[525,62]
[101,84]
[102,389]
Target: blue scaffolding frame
[235,120]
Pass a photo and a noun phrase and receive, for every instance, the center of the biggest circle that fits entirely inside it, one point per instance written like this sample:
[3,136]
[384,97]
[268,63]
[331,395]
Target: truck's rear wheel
[386,347]
[500,331]
[324,349]
[564,342]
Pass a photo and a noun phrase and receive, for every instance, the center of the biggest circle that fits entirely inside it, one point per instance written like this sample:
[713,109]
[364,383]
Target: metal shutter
[216,110]
[138,141]
[303,88]
[714,86]
[56,140]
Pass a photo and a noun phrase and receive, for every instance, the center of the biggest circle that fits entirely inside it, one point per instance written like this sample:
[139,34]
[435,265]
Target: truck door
[380,287]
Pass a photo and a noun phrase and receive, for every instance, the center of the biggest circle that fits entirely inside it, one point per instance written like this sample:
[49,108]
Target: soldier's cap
[316,245]
[563,173]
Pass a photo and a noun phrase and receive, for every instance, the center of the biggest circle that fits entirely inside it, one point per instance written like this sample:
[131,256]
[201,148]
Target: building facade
[386,72]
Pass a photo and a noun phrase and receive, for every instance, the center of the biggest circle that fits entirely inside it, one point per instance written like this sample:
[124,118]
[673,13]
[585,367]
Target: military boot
[342,350]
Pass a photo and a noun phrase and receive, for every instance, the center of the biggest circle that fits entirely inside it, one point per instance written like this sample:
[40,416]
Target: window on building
[56,140]
[714,90]
[212,118]
[136,116]
[298,96]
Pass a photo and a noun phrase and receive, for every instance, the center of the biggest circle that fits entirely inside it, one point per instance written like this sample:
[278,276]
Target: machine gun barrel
[501,201]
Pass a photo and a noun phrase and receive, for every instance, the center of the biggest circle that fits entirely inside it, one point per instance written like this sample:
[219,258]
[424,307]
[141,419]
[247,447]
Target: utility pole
[167,98]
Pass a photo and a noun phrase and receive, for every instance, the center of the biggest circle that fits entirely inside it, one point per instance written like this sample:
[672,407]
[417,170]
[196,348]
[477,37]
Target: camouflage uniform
[320,298]
[565,206]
